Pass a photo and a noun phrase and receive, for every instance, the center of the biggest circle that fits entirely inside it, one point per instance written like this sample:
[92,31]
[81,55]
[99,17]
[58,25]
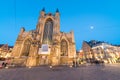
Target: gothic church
[46,45]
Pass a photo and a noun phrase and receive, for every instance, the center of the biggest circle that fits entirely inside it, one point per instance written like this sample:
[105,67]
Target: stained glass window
[48,31]
[64,48]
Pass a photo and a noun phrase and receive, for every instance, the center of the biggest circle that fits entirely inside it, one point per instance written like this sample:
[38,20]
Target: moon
[91,27]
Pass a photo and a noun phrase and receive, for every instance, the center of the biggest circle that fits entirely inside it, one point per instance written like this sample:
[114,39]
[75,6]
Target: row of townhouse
[99,50]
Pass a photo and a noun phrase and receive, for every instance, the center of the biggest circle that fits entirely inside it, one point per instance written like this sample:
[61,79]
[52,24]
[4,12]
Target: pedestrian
[3,64]
[73,63]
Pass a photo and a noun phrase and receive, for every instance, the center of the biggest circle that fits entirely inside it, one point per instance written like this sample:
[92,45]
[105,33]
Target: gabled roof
[94,42]
[5,45]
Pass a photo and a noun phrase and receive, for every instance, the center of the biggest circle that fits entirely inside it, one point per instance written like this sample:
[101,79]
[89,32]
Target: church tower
[48,24]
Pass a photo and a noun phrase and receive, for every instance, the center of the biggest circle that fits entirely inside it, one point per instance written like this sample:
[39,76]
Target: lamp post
[75,60]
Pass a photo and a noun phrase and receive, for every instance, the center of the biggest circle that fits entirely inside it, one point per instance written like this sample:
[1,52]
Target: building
[80,54]
[87,51]
[5,51]
[99,50]
[80,57]
[46,45]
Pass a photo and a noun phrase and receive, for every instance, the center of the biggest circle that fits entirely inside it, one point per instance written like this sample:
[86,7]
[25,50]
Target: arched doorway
[48,32]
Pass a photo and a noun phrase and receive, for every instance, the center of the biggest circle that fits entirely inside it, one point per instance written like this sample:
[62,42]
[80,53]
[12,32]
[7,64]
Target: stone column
[32,58]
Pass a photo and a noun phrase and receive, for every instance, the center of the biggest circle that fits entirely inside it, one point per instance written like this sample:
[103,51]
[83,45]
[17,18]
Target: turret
[72,34]
[22,30]
[40,20]
[42,14]
[57,18]
[57,11]
[57,14]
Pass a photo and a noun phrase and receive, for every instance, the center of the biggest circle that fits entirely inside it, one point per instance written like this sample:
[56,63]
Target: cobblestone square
[88,72]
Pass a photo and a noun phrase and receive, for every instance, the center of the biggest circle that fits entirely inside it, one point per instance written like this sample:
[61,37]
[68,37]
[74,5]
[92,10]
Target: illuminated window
[48,31]
[26,48]
[64,48]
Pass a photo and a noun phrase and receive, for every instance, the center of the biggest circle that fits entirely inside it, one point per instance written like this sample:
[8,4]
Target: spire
[42,12]
[43,9]
[57,10]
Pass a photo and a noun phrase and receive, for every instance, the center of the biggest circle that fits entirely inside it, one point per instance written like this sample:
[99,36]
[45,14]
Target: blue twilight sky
[89,19]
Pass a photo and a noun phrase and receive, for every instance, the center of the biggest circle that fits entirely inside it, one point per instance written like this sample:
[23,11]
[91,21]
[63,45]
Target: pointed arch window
[48,31]
[64,48]
[26,48]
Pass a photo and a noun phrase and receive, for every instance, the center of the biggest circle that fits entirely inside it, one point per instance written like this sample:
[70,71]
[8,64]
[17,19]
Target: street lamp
[75,60]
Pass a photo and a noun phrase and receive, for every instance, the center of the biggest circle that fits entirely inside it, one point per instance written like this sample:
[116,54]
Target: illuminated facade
[5,50]
[45,45]
[99,50]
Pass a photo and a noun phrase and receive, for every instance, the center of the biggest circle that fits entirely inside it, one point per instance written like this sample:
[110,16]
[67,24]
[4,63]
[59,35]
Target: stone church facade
[46,45]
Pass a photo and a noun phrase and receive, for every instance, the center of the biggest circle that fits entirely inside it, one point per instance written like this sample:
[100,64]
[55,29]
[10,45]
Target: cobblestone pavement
[89,72]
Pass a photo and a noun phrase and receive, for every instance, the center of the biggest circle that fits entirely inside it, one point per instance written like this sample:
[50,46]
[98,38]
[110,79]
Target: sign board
[44,49]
